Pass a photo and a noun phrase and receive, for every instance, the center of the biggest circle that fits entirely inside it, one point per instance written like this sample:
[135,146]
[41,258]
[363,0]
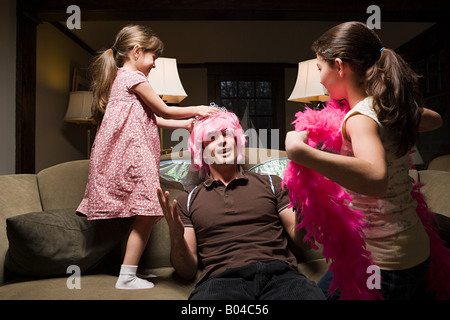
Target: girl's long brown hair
[103,68]
[383,73]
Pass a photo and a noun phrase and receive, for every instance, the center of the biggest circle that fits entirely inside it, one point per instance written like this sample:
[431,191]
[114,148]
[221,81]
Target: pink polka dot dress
[124,165]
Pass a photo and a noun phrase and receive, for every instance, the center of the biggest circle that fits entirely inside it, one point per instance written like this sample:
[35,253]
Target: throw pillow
[46,243]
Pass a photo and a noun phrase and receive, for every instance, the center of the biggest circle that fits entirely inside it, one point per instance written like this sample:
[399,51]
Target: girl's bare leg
[137,240]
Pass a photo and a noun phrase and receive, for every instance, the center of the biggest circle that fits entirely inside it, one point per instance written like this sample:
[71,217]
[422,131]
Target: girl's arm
[151,99]
[365,173]
[174,124]
[430,120]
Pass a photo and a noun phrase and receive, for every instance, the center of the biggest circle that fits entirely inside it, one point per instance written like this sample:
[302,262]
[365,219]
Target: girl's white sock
[129,280]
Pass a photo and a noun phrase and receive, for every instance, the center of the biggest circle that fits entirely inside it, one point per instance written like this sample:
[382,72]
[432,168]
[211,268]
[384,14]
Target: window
[255,93]
[251,101]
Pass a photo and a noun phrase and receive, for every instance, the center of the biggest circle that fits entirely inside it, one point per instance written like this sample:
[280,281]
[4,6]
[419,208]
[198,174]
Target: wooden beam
[25,93]
[305,10]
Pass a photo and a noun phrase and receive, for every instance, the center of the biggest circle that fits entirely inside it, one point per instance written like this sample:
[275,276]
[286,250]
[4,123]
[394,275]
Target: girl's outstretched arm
[175,124]
[151,99]
[365,173]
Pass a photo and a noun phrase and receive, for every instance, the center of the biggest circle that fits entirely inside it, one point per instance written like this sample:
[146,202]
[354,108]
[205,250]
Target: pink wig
[204,126]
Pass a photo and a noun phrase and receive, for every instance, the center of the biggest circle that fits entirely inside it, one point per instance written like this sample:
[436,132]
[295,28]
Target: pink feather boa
[323,209]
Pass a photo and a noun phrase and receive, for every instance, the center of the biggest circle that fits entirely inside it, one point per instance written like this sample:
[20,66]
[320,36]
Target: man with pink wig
[235,224]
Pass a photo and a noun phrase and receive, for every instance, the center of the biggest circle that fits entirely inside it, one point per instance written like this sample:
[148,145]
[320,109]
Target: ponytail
[394,88]
[383,73]
[103,70]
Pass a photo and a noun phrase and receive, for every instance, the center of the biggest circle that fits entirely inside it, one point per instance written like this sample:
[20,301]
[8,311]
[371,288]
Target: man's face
[219,148]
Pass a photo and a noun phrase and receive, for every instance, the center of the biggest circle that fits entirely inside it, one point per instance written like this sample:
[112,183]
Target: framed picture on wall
[80,81]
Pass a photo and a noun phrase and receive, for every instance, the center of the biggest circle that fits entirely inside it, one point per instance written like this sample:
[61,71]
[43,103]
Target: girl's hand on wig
[190,125]
[205,111]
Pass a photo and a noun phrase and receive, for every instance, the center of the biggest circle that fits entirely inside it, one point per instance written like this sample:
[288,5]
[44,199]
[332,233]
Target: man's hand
[176,227]
[183,244]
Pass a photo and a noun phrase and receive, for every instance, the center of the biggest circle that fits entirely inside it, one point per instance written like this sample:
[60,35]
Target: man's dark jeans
[274,280]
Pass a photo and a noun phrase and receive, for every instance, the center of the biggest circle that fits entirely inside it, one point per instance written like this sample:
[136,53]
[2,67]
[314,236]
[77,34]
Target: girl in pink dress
[124,165]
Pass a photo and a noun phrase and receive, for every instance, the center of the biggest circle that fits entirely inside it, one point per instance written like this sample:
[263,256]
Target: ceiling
[188,40]
[215,25]
[293,10]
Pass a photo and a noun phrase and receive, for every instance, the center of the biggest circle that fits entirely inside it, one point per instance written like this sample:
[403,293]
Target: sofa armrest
[440,163]
[436,190]
[19,194]
[63,185]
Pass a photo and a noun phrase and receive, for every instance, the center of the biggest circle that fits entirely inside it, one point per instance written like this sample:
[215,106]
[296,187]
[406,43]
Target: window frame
[273,72]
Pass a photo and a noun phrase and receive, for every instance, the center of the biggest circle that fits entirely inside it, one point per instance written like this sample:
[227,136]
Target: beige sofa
[41,236]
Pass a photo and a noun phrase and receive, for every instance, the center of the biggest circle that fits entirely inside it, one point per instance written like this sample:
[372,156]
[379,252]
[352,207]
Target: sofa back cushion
[62,186]
[257,156]
[440,163]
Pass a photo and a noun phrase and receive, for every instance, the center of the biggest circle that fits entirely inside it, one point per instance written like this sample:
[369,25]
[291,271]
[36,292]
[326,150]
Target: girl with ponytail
[124,165]
[377,135]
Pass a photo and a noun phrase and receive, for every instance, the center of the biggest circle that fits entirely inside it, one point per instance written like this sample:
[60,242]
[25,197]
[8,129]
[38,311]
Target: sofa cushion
[168,286]
[46,243]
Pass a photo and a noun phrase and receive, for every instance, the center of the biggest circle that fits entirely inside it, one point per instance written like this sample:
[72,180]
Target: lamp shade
[79,109]
[308,87]
[165,80]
